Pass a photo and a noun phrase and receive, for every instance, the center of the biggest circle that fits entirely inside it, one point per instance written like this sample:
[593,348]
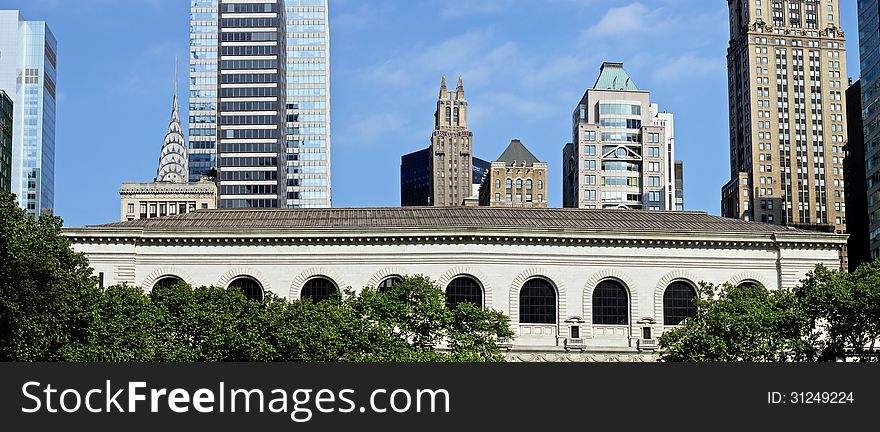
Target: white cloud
[460,8]
[689,66]
[631,19]
[371,127]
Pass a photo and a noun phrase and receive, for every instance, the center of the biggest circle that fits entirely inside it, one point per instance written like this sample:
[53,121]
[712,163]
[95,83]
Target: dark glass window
[464,289]
[748,284]
[610,304]
[318,289]
[389,283]
[250,287]
[537,302]
[167,281]
[678,303]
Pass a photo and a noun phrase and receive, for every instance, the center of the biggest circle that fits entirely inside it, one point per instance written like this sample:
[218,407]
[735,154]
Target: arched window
[678,303]
[537,302]
[389,283]
[457,121]
[748,284]
[464,289]
[498,184]
[510,183]
[249,287]
[610,304]
[529,184]
[318,289]
[448,116]
[167,282]
[540,184]
[519,183]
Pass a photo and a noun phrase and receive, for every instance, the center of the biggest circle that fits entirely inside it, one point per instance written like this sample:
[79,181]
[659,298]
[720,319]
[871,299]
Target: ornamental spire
[173,159]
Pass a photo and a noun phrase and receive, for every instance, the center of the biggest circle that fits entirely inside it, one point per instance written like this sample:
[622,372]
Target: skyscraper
[6,110]
[448,165]
[171,193]
[786,78]
[28,64]
[622,148]
[869,48]
[260,101]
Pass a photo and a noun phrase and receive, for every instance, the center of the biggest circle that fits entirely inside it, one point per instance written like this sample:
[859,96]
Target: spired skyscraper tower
[452,150]
[28,65]
[446,173]
[260,101]
[787,76]
[173,158]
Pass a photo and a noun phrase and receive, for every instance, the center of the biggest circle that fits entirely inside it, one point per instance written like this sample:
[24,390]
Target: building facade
[622,149]
[516,179]
[869,48]
[447,170]
[6,113]
[577,284]
[855,183]
[786,84]
[260,101]
[160,199]
[28,74]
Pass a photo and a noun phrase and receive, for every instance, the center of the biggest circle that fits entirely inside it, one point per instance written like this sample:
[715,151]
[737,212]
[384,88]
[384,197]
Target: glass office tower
[259,101]
[28,63]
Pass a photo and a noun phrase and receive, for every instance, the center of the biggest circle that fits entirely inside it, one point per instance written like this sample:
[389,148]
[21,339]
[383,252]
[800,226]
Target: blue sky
[525,66]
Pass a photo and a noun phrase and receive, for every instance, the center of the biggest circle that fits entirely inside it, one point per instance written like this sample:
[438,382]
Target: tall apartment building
[786,79]
[623,148]
[260,101]
[28,65]
[869,48]
[6,111]
[516,179]
[448,164]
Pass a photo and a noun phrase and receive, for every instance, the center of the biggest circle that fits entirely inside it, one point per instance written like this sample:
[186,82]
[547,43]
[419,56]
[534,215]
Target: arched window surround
[250,286]
[672,308]
[477,297]
[320,287]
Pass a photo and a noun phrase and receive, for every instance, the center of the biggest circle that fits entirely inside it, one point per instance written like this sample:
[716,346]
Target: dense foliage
[831,315]
[51,309]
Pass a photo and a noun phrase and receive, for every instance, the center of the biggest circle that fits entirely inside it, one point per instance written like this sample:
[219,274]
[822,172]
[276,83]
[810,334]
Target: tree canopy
[830,316]
[52,309]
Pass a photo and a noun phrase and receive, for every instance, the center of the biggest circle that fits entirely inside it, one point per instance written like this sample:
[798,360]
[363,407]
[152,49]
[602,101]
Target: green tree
[844,309]
[747,323]
[51,309]
[47,292]
[415,312]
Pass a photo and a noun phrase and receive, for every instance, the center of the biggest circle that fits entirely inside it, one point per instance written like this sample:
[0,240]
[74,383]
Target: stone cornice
[265,237]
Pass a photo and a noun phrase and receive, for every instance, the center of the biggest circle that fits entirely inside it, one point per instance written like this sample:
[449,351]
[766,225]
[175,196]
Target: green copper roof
[517,154]
[613,77]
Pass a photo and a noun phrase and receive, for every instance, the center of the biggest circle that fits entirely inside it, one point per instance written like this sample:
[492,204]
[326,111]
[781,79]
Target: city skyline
[380,92]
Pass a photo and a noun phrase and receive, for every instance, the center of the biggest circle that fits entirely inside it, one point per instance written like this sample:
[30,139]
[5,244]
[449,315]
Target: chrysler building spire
[173,160]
